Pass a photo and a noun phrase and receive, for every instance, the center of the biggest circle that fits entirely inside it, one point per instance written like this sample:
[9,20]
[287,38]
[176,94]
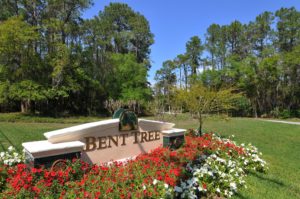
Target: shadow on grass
[274,181]
[260,177]
[8,140]
[239,195]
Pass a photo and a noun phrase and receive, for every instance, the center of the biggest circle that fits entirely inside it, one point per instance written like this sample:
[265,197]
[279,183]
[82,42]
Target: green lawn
[279,143]
[14,134]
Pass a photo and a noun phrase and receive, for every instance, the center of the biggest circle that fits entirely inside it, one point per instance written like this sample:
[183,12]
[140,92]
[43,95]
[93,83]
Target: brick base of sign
[173,142]
[48,161]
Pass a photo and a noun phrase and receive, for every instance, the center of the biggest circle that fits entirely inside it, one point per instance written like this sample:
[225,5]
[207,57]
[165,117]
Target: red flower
[173,154]
[176,172]
[97,194]
[52,173]
[86,194]
[36,190]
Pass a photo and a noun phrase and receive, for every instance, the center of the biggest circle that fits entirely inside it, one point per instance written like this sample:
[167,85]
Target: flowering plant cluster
[220,171]
[11,157]
[205,166]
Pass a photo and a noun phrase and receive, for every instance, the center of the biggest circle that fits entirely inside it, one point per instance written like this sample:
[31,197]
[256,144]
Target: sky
[174,22]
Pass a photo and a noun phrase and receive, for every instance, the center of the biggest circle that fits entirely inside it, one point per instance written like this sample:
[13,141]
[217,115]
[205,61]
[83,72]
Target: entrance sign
[104,141]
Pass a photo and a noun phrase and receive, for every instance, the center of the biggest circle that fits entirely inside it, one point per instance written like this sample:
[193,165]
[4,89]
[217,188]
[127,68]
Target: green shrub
[285,114]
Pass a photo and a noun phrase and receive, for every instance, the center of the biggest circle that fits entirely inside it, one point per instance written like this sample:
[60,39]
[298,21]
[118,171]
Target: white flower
[183,185]
[200,188]
[166,186]
[154,182]
[233,186]
[144,187]
[218,190]
[178,189]
[223,175]
[11,148]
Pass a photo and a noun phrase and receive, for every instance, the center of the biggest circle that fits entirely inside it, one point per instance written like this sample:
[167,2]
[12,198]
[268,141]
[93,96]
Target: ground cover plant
[205,166]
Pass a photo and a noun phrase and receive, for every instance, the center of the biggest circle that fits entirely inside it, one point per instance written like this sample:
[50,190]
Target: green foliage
[202,101]
[284,114]
[16,49]
[194,49]
[259,59]
[26,90]
[288,28]
[164,88]
[56,63]
[129,79]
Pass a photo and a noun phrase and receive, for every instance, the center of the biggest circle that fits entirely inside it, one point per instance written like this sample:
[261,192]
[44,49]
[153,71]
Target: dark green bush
[284,114]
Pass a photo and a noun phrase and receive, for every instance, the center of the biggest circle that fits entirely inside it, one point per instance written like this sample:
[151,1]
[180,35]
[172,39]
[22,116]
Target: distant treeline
[261,59]
[52,61]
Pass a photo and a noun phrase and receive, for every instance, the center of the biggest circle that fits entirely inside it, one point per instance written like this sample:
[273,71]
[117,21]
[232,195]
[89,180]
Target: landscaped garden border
[205,166]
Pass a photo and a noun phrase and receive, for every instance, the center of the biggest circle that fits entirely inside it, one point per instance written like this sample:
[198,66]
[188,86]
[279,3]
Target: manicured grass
[279,143]
[14,134]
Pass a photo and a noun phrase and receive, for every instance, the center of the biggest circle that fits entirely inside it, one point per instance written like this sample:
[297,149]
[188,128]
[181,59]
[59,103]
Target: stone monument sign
[103,141]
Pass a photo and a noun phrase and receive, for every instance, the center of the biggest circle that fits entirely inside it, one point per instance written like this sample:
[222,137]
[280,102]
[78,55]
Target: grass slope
[279,143]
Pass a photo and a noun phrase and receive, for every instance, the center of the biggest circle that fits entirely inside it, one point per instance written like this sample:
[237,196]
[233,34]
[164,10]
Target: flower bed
[205,166]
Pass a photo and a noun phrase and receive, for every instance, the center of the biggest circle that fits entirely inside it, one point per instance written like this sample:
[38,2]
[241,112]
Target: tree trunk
[25,106]
[180,77]
[185,77]
[200,119]
[254,108]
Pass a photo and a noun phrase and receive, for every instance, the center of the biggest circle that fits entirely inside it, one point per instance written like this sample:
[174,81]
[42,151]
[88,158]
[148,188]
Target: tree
[261,32]
[202,101]
[8,9]
[194,49]
[181,62]
[235,33]
[27,92]
[288,26]
[258,58]
[126,31]
[129,79]
[17,55]
[45,44]
[291,79]
[166,80]
[213,38]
